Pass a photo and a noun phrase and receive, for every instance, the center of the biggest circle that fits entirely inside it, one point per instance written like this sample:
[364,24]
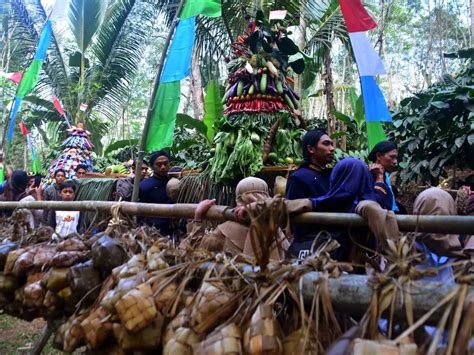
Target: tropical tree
[96,69]
[435,127]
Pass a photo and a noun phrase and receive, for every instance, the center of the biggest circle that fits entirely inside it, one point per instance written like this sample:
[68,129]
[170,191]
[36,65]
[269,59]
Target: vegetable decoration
[258,95]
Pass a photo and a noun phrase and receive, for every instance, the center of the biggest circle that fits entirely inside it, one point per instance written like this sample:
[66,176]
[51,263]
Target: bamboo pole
[352,294]
[151,104]
[406,223]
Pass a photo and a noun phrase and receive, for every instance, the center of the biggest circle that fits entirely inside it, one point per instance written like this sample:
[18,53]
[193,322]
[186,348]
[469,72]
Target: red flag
[15,77]
[356,17]
[23,129]
[57,106]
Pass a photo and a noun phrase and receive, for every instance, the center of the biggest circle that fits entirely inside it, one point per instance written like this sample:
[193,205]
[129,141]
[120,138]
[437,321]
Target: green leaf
[470,139]
[119,145]
[359,115]
[342,117]
[190,122]
[440,104]
[85,17]
[338,134]
[298,66]
[213,108]
[287,46]
[460,141]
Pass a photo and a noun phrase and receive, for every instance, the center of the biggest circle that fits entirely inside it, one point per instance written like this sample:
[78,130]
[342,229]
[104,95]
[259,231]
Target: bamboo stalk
[352,294]
[408,223]
[151,104]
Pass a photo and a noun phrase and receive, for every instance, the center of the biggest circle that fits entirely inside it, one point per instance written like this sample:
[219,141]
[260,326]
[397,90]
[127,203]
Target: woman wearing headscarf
[231,237]
[352,188]
[439,249]
[14,189]
[385,153]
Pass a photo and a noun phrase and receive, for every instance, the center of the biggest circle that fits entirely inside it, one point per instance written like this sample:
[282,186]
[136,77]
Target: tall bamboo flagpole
[151,104]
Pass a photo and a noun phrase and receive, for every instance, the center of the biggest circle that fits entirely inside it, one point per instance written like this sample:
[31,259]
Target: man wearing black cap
[385,154]
[153,189]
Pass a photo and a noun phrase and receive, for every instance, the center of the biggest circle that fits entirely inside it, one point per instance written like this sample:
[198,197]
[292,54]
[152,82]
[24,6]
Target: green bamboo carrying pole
[406,223]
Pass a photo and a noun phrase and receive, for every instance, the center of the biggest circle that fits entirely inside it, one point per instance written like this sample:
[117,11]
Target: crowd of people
[350,186]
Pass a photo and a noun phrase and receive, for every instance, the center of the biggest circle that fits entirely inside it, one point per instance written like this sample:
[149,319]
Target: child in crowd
[66,222]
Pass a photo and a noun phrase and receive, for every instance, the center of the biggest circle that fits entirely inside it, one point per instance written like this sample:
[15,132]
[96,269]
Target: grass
[18,337]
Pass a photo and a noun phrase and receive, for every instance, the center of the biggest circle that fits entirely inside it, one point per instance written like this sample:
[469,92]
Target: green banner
[209,8]
[30,78]
[163,119]
[375,133]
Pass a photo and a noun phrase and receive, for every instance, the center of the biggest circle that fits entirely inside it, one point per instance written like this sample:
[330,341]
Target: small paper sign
[278,14]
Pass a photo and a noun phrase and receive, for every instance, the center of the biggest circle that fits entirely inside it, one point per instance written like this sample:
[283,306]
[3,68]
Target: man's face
[67,194]
[144,171]
[59,178]
[31,182]
[323,152]
[80,173]
[161,165]
[388,160]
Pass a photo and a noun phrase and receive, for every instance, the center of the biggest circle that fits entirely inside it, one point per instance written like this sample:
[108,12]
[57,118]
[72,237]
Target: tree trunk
[25,158]
[472,22]
[329,92]
[196,87]
[5,65]
[301,43]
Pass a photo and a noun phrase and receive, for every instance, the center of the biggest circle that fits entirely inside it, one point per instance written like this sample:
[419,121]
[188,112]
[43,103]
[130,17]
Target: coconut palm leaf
[57,74]
[119,48]
[85,17]
[326,28]
[24,36]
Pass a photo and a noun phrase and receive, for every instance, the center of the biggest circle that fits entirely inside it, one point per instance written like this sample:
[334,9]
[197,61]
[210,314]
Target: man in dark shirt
[53,193]
[124,188]
[153,190]
[311,179]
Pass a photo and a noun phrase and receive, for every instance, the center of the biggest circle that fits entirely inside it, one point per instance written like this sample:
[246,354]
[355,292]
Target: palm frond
[324,29]
[57,75]
[119,48]
[24,36]
[85,17]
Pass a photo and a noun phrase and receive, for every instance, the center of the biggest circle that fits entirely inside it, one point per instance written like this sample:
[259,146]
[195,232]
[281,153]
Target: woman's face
[388,160]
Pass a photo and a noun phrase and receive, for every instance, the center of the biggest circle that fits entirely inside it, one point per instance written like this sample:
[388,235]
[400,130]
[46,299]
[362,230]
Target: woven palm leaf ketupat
[181,342]
[11,260]
[263,335]
[124,285]
[224,341]
[34,295]
[146,339]
[96,329]
[133,266]
[72,333]
[213,300]
[136,309]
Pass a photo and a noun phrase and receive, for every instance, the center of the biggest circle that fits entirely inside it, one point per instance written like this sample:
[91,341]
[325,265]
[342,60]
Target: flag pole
[151,104]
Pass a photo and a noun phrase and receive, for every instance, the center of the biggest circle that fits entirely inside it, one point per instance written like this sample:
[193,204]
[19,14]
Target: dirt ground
[18,337]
